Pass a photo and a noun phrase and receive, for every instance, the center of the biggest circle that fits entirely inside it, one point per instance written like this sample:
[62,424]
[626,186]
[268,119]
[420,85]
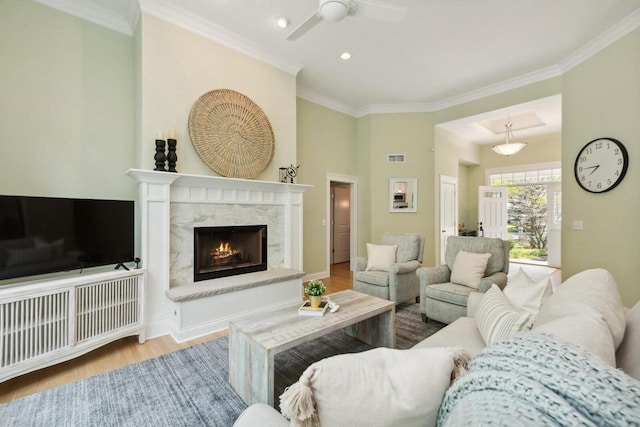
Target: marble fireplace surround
[170,205]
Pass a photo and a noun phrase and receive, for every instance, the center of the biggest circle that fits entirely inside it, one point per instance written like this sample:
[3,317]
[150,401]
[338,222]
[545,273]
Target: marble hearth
[170,206]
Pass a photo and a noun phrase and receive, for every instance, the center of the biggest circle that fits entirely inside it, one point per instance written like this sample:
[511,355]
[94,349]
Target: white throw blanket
[533,379]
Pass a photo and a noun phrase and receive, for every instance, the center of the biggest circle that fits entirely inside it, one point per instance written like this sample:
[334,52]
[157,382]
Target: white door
[554,223]
[492,212]
[341,224]
[448,211]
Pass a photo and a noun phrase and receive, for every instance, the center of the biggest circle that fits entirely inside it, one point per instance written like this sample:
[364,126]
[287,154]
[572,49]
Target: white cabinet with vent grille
[47,322]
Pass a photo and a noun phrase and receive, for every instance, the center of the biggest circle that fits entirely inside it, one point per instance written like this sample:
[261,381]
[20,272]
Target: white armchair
[400,283]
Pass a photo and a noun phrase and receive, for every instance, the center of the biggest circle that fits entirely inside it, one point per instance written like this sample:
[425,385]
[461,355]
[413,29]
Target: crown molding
[123,23]
[613,34]
[169,12]
[424,107]
[126,21]
[429,107]
[325,101]
[630,23]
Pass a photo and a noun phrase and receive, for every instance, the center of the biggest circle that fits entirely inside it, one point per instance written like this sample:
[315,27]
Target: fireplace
[230,250]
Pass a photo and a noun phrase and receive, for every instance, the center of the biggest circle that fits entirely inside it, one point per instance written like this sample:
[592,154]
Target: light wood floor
[125,352]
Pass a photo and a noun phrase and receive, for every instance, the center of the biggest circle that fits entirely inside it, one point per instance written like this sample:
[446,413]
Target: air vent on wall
[395,158]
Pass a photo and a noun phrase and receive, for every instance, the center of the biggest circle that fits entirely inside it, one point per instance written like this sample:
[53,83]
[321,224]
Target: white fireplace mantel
[158,190]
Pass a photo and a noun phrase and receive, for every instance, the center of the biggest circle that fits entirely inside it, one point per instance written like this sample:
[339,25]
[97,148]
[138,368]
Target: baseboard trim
[316,276]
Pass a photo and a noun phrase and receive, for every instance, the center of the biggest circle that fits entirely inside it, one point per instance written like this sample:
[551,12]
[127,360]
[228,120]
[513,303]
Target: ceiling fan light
[509,148]
[333,10]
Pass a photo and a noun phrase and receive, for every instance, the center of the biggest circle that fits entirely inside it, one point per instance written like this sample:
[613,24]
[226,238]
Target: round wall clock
[601,165]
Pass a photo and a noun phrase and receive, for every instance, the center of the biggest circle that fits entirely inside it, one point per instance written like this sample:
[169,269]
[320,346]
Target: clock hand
[592,167]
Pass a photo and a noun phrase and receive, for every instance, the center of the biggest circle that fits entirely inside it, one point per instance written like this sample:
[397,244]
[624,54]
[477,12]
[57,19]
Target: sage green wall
[601,98]
[326,145]
[177,67]
[365,189]
[410,134]
[67,112]
[539,149]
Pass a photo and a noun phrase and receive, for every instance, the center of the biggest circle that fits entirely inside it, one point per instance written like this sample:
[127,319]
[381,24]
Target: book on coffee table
[306,309]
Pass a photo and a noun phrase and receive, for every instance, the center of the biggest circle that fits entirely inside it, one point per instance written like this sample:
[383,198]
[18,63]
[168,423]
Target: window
[534,174]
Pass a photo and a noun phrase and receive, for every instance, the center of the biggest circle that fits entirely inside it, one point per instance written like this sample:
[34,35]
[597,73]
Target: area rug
[185,388]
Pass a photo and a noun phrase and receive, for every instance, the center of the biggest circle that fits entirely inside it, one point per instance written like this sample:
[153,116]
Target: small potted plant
[315,289]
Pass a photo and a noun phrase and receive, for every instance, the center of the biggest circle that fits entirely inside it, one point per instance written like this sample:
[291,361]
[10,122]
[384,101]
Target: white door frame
[353,208]
[442,230]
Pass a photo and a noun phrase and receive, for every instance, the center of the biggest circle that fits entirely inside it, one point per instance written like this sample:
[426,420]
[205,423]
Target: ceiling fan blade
[378,11]
[304,27]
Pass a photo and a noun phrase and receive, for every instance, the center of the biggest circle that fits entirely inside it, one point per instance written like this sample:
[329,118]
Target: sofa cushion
[449,292]
[462,332]
[468,268]
[589,330]
[525,294]
[408,245]
[497,319]
[627,357]
[594,288]
[382,387]
[380,257]
[377,278]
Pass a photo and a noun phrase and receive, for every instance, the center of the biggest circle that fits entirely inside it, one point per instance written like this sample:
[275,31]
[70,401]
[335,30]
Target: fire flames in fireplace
[229,250]
[223,255]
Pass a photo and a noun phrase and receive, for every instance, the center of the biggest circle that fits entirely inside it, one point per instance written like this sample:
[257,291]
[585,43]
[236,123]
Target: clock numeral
[583,159]
[616,151]
[582,178]
[598,145]
[617,173]
[579,168]
[609,182]
[619,161]
[599,185]
[588,151]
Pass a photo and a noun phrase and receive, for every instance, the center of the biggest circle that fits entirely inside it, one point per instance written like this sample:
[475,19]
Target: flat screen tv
[40,235]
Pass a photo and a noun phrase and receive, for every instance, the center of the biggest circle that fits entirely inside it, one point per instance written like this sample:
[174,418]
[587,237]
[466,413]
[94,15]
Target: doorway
[533,211]
[341,230]
[340,223]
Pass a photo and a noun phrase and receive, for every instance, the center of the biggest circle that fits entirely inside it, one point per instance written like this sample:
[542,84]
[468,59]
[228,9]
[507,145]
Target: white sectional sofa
[586,310]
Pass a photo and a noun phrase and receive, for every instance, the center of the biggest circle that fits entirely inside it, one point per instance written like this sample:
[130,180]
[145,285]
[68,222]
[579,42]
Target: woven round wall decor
[231,134]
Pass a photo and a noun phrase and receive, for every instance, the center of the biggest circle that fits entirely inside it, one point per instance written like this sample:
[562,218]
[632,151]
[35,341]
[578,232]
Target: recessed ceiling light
[345,56]
[282,22]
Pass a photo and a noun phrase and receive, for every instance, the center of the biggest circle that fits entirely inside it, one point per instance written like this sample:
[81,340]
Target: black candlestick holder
[172,157]
[160,157]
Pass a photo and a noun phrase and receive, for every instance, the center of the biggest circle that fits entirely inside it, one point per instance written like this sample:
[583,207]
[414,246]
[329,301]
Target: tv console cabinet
[47,322]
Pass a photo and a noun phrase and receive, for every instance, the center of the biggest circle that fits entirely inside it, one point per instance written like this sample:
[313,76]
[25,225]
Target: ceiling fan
[336,10]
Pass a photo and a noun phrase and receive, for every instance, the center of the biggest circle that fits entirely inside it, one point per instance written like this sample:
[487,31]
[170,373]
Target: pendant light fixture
[510,146]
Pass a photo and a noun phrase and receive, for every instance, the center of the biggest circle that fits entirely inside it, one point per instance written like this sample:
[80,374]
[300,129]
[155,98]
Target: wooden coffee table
[254,342]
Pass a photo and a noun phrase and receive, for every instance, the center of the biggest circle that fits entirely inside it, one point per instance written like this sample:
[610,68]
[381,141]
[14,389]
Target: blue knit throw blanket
[533,379]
